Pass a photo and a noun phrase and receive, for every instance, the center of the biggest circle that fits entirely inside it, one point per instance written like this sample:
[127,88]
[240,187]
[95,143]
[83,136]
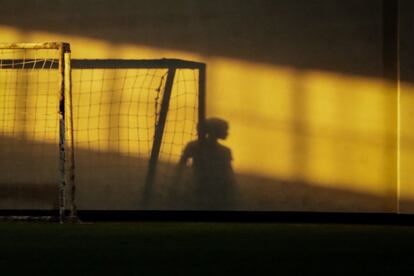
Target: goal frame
[65,94]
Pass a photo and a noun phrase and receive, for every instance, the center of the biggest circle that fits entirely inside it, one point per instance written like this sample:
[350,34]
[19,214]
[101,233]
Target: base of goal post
[36,216]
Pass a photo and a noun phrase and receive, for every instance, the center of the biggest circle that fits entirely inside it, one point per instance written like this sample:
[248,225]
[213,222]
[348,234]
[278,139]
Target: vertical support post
[70,130]
[62,158]
[159,131]
[201,102]
[391,74]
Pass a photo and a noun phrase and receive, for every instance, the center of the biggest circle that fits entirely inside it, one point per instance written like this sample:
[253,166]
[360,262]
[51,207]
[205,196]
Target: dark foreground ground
[186,248]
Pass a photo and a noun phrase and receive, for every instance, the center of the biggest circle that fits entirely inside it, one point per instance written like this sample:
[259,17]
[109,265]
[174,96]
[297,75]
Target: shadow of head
[216,128]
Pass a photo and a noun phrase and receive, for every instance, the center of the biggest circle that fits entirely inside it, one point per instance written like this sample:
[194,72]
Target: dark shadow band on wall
[348,37]
[219,216]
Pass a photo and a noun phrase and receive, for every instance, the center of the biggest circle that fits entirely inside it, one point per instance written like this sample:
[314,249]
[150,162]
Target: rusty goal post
[31,124]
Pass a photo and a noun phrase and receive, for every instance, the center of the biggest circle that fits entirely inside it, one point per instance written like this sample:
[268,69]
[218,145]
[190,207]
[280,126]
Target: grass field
[186,248]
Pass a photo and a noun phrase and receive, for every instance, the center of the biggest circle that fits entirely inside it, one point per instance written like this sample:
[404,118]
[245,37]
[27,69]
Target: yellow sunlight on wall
[318,127]
[406,176]
[309,126]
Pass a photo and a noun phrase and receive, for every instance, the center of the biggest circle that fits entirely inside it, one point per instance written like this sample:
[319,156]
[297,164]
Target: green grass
[167,248]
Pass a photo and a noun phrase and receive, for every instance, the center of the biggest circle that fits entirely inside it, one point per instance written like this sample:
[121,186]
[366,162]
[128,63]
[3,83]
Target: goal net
[131,121]
[32,126]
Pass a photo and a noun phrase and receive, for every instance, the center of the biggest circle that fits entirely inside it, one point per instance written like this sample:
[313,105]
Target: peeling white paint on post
[62,182]
[70,136]
[46,45]
[62,130]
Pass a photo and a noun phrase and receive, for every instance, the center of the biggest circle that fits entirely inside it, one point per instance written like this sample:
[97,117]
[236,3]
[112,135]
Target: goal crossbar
[45,45]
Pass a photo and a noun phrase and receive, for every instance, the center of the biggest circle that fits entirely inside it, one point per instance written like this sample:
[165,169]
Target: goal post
[32,124]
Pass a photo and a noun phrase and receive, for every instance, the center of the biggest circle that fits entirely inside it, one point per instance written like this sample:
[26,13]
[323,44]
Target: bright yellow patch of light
[406,148]
[28,115]
[334,130]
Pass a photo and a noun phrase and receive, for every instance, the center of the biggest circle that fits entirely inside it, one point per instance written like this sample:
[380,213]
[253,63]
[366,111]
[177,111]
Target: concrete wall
[406,177]
[313,112]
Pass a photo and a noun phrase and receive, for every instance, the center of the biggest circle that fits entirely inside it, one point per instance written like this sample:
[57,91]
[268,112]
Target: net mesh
[29,128]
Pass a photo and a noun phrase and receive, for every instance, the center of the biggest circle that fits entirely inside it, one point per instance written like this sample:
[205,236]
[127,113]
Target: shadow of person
[212,174]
